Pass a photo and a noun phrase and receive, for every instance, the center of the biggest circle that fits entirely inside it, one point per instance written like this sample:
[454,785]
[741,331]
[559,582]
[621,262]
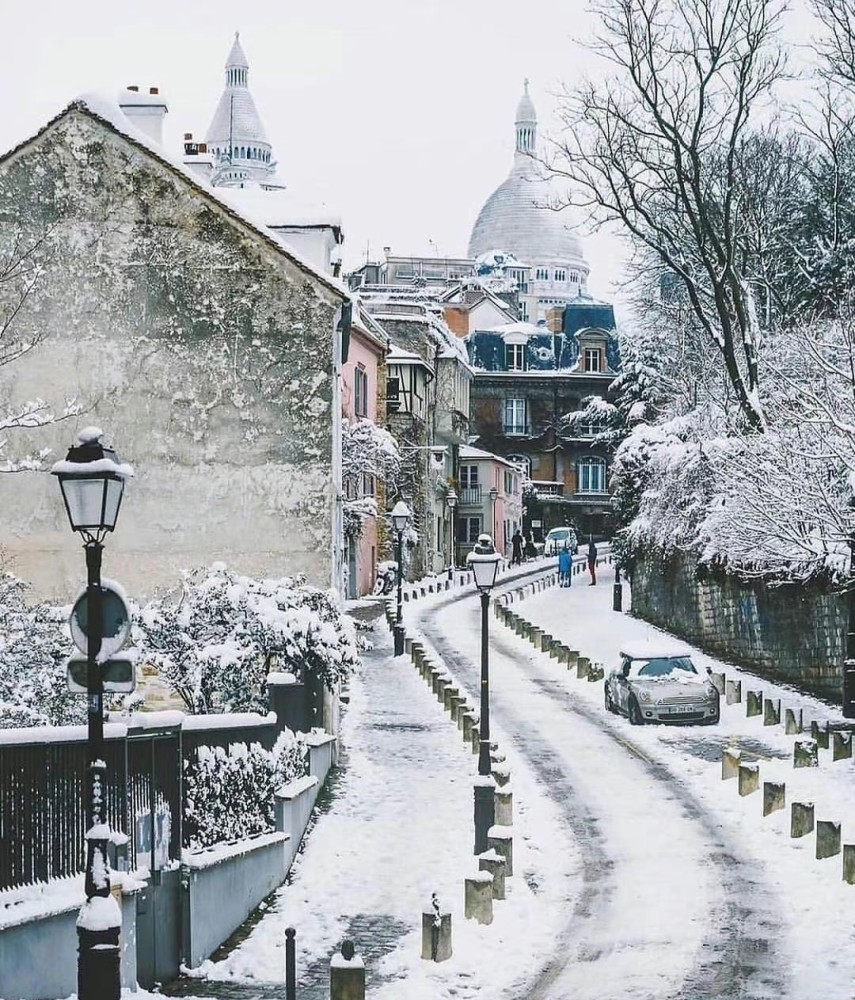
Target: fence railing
[43,779]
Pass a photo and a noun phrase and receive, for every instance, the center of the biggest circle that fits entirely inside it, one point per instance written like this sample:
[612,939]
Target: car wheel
[635,718]
[610,705]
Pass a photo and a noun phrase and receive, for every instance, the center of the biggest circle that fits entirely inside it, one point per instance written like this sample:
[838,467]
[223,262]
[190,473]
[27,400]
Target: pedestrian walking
[592,561]
[530,550]
[565,568]
[516,546]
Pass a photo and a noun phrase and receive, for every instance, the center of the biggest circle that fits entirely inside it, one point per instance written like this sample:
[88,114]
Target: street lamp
[451,500]
[92,480]
[483,560]
[494,496]
[400,519]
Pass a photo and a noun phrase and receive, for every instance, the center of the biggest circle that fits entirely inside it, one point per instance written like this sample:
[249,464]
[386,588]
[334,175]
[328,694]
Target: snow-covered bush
[229,795]
[368,453]
[34,645]
[217,643]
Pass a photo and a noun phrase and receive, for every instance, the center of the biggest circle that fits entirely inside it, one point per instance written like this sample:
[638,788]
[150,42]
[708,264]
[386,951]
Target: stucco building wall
[207,356]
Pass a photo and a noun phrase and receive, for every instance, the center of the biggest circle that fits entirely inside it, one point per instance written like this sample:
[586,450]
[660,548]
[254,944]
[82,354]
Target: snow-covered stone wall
[791,633]
[204,353]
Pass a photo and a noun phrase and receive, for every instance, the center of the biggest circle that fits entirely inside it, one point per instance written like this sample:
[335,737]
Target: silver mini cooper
[657,682]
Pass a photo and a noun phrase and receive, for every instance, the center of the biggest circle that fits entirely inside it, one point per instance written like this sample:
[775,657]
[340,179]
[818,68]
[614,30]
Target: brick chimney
[145,111]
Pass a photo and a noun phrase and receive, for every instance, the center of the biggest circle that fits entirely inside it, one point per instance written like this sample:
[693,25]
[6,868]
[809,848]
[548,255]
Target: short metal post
[849,662]
[399,624]
[485,802]
[617,592]
[290,965]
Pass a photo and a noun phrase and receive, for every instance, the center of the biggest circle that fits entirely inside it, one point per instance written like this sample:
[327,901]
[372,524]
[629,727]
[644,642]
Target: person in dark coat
[516,545]
[592,561]
[565,566]
[530,550]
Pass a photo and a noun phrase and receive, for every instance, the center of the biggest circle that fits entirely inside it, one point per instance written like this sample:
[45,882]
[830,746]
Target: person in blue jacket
[565,567]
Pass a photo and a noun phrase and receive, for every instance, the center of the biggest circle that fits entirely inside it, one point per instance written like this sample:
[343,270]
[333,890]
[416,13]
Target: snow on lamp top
[92,480]
[400,516]
[484,561]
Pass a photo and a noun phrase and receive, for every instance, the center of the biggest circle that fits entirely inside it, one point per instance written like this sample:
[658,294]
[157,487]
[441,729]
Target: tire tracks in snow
[739,956]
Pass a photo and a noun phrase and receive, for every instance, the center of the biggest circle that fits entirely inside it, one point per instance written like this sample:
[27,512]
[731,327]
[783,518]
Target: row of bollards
[347,971]
[802,820]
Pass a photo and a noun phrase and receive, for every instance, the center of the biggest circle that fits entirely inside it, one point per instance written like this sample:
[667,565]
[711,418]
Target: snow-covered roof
[398,356]
[519,327]
[471,454]
[280,209]
[105,110]
[237,118]
[652,648]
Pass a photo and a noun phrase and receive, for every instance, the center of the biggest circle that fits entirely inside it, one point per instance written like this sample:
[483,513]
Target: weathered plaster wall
[204,354]
[790,633]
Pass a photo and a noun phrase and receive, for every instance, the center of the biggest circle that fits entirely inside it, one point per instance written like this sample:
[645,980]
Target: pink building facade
[489,500]
[363,373]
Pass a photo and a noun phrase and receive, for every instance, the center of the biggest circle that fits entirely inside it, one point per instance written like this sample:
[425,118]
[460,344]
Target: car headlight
[644,695]
[711,691]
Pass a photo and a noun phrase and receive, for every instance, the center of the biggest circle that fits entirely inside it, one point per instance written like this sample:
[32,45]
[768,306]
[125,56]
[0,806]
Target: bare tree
[838,47]
[655,144]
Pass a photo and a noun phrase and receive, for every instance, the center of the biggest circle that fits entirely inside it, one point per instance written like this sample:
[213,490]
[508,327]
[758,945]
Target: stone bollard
[442,682]
[555,650]
[718,682]
[521,626]
[730,760]
[467,721]
[448,696]
[805,754]
[748,778]
[504,806]
[458,707]
[534,635]
[841,746]
[436,932]
[772,712]
[501,840]
[753,703]
[848,863]
[583,665]
[501,774]
[476,739]
[408,645]
[733,692]
[774,796]
[478,903]
[827,838]
[545,642]
[494,863]
[347,974]
[801,819]
[563,653]
[572,658]
[819,732]
[792,722]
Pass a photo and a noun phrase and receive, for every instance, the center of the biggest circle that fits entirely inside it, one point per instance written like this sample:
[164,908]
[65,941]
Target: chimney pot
[134,88]
[153,90]
[188,136]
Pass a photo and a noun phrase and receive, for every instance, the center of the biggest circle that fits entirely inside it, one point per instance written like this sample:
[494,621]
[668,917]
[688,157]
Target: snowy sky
[399,115]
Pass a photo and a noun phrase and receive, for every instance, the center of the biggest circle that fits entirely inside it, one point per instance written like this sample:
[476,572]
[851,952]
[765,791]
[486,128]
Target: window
[393,394]
[515,357]
[592,475]
[360,392]
[561,274]
[524,312]
[510,483]
[515,422]
[470,529]
[521,462]
[369,488]
[541,274]
[593,358]
[574,277]
[468,476]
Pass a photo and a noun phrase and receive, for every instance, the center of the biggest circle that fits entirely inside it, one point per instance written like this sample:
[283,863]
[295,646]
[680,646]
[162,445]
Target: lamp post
[92,481]
[400,520]
[494,496]
[451,500]
[483,560]
[849,662]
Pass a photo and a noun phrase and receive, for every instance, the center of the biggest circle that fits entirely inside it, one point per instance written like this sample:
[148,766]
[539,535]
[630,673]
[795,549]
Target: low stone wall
[789,633]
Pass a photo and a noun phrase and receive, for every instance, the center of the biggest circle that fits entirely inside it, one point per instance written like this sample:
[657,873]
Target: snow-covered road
[681,893]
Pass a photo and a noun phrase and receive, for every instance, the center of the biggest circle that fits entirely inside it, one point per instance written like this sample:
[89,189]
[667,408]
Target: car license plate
[682,708]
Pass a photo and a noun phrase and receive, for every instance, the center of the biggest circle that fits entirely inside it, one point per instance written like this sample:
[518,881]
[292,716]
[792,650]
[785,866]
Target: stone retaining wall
[790,633]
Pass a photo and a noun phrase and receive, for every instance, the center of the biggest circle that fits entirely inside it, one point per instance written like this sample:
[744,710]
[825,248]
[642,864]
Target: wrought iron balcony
[470,496]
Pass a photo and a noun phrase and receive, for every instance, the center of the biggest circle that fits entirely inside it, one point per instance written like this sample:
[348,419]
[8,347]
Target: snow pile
[216,645]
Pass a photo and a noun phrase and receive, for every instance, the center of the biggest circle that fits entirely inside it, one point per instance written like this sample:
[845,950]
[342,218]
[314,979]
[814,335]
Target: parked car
[559,538]
[658,682]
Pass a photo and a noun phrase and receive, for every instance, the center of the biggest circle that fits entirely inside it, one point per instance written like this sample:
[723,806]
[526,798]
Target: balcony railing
[470,496]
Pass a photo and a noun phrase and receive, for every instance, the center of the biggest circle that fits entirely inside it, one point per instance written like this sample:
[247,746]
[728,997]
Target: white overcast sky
[398,114]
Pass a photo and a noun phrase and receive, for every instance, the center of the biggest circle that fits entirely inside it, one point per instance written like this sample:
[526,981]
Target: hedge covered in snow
[229,795]
[216,644]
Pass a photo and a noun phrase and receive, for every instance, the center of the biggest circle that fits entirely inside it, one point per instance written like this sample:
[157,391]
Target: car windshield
[663,666]
[559,533]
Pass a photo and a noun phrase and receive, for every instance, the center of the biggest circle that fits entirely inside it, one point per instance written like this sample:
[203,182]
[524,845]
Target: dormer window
[515,357]
[593,359]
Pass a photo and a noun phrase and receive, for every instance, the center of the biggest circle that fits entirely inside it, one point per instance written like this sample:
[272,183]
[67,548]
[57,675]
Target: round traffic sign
[116,618]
